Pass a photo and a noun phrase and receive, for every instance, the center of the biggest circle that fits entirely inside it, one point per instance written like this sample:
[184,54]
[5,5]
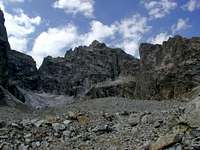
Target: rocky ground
[79,111]
[102,124]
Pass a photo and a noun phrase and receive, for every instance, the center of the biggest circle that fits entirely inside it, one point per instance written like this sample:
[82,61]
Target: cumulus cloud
[182,24]
[13,1]
[160,38]
[98,31]
[192,5]
[53,41]
[125,34]
[19,27]
[159,9]
[86,7]
[132,30]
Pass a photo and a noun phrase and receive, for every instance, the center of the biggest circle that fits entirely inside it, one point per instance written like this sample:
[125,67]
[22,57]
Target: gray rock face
[22,70]
[7,99]
[83,67]
[124,87]
[4,47]
[168,71]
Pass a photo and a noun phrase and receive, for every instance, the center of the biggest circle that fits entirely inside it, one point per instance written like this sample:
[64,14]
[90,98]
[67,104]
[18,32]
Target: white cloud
[160,38]
[125,34]
[19,44]
[13,1]
[53,42]
[160,8]
[76,6]
[19,27]
[182,24]
[132,29]
[98,31]
[192,5]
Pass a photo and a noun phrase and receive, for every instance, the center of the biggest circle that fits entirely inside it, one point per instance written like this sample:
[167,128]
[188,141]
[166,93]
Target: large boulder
[22,70]
[169,70]
[84,67]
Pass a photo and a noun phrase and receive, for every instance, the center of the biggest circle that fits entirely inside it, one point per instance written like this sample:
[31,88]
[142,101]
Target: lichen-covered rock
[169,70]
[83,67]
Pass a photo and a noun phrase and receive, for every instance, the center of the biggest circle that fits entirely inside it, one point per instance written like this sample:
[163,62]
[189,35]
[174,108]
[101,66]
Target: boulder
[165,142]
[192,109]
[169,70]
[83,67]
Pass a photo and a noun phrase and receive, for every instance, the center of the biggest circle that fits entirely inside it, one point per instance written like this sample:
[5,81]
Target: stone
[83,120]
[165,141]
[58,127]
[2,124]
[134,119]
[38,123]
[102,129]
[192,112]
[66,133]
[66,122]
[175,147]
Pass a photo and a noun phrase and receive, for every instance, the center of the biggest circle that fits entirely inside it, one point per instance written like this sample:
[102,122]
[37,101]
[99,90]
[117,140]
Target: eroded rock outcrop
[85,66]
[170,70]
[4,47]
[22,70]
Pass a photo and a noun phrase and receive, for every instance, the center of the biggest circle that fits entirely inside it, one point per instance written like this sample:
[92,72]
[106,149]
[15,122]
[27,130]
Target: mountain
[97,97]
[84,67]
[170,70]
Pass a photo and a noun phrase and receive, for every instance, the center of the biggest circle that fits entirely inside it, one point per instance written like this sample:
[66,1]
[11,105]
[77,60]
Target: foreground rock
[95,124]
[170,70]
[92,124]
[74,74]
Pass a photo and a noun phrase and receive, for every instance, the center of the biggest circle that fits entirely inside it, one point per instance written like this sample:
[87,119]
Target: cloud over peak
[182,24]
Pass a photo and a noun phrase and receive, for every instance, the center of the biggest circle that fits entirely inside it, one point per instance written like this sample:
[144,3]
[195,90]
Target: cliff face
[84,67]
[22,70]
[170,70]
[4,47]
[166,71]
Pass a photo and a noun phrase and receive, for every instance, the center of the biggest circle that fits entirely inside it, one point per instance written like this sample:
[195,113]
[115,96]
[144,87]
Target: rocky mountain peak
[97,44]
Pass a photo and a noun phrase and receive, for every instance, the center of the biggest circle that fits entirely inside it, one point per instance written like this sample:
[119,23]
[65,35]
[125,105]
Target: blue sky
[51,27]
